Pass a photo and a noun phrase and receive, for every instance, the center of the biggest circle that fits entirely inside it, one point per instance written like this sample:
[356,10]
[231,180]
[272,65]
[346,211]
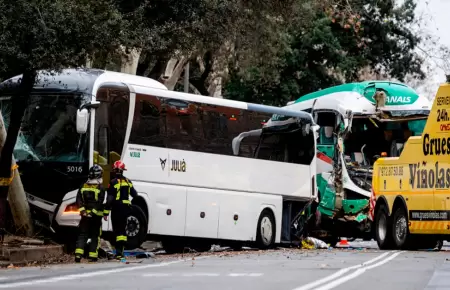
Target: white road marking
[157,275]
[91,274]
[200,275]
[340,273]
[245,274]
[355,274]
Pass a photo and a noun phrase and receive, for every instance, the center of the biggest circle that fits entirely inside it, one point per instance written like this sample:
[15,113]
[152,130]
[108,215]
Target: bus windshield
[372,137]
[48,132]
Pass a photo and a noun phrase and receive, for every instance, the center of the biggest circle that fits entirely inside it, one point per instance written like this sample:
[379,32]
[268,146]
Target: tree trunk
[220,69]
[19,104]
[173,72]
[89,63]
[17,198]
[130,60]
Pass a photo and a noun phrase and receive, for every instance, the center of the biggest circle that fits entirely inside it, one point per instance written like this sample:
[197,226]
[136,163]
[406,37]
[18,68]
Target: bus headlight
[71,208]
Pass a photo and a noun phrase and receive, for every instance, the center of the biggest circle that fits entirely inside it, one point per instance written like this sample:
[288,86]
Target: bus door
[111,120]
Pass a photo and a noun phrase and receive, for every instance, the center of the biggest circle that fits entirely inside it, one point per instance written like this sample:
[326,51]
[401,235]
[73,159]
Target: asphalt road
[364,267]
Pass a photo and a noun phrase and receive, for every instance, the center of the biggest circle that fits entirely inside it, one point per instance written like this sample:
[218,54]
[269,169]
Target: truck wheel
[265,233]
[137,226]
[383,229]
[400,230]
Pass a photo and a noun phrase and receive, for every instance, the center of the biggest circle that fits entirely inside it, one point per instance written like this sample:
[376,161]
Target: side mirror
[375,158]
[82,120]
[94,104]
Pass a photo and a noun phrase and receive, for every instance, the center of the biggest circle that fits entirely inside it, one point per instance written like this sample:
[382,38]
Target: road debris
[314,243]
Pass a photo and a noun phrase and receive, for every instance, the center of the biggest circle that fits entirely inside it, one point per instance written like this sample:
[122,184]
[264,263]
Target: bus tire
[265,233]
[383,229]
[137,226]
[400,229]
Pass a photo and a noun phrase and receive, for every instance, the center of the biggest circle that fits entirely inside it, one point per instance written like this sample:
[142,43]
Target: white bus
[207,170]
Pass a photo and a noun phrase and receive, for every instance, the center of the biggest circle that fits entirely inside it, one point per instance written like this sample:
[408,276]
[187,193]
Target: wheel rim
[266,230]
[400,228]
[133,226]
[382,227]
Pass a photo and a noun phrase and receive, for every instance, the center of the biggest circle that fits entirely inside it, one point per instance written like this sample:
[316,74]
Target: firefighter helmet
[95,172]
[119,166]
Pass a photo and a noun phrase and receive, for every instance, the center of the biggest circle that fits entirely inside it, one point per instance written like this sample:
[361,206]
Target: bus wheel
[265,234]
[400,230]
[383,232]
[137,226]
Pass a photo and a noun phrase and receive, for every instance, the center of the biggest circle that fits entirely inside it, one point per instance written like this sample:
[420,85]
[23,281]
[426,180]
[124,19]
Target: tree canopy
[342,40]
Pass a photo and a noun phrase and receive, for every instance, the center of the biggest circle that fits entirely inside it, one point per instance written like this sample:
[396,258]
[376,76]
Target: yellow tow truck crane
[411,193]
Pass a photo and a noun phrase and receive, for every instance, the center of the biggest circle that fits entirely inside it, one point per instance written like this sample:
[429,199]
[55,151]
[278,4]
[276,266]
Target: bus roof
[88,81]
[223,102]
[358,97]
[80,80]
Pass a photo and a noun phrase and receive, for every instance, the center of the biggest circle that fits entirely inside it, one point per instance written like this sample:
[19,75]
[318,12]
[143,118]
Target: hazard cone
[343,243]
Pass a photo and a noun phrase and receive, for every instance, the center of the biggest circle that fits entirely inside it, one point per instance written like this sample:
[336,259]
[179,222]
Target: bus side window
[301,149]
[182,125]
[272,147]
[248,146]
[102,145]
[149,124]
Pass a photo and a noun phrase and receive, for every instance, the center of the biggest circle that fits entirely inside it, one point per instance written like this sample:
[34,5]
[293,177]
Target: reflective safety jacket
[119,191]
[90,197]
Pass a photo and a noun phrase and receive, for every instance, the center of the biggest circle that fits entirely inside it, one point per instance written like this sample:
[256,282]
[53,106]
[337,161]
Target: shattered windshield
[48,131]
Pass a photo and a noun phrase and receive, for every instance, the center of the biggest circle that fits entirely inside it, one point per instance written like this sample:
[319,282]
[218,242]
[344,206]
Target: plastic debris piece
[145,255]
[313,243]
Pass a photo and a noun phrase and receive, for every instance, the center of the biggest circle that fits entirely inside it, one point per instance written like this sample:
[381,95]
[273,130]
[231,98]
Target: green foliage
[333,48]
[51,34]
[48,35]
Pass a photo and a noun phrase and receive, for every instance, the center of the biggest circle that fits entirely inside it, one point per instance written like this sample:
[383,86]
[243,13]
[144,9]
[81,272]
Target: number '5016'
[77,169]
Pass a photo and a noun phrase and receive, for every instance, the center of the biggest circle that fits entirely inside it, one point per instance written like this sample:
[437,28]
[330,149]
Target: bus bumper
[52,216]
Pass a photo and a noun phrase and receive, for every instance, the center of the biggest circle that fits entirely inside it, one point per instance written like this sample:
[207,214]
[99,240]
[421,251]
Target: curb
[26,255]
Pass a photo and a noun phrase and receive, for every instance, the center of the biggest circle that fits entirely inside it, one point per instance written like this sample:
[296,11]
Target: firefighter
[90,198]
[119,190]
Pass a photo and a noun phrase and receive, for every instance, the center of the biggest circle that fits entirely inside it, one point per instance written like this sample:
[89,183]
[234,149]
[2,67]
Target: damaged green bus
[359,122]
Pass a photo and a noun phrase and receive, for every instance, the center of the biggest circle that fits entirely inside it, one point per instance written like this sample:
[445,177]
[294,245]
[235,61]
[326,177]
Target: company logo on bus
[163,163]
[393,100]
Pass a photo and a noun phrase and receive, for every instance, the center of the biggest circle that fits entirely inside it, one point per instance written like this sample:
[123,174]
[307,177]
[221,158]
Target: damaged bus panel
[359,122]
